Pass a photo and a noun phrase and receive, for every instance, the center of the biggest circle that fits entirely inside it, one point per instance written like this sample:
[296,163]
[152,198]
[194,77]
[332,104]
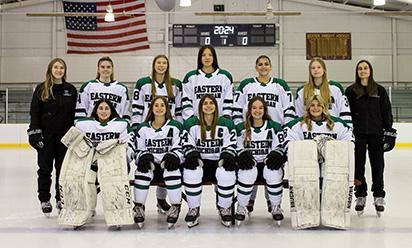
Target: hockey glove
[36,139]
[228,161]
[389,139]
[145,162]
[246,160]
[171,161]
[192,160]
[275,159]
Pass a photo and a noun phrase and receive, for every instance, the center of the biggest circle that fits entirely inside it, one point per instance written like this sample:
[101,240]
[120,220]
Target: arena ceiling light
[379,2]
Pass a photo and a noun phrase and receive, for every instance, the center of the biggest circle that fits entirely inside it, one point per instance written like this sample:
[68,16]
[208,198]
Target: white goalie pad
[73,185]
[337,188]
[114,184]
[304,184]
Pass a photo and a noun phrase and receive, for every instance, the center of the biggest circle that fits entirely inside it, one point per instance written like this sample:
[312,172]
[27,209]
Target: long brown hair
[309,88]
[249,118]
[307,117]
[371,88]
[150,115]
[47,89]
[203,123]
[106,58]
[167,78]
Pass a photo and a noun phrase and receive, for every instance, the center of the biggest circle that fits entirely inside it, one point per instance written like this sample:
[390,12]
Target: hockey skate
[379,205]
[173,215]
[46,208]
[360,205]
[250,206]
[162,206]
[240,214]
[277,214]
[226,216]
[192,217]
[59,207]
[139,214]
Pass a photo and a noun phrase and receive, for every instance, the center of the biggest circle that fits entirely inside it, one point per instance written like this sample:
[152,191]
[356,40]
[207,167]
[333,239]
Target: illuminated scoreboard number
[195,35]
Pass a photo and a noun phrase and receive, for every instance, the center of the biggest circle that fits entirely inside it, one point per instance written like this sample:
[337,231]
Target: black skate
[46,208]
[173,215]
[269,206]
[250,206]
[59,207]
[139,214]
[379,205]
[240,214]
[192,217]
[162,206]
[226,216]
[360,205]
[277,213]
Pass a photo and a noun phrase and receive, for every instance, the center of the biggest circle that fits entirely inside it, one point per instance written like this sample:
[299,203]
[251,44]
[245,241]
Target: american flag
[90,34]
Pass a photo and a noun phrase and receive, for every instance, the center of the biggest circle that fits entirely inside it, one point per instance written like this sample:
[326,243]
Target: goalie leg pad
[337,184]
[115,188]
[304,184]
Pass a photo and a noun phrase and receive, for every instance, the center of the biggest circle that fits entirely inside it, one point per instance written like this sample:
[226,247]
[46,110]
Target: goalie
[320,161]
[99,156]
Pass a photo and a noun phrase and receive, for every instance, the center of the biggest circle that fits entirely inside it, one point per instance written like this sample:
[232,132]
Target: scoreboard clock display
[195,35]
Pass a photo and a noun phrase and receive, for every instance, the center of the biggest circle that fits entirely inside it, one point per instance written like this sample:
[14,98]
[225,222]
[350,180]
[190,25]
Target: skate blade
[277,222]
[47,215]
[360,213]
[80,227]
[139,225]
[378,214]
[161,211]
[192,224]
[239,222]
[114,228]
[171,225]
[226,223]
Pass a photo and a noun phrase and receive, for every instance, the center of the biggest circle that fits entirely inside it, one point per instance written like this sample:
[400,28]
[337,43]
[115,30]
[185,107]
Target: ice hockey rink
[23,225]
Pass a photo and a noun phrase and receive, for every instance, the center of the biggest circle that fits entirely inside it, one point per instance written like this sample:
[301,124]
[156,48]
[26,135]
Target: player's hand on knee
[192,160]
[275,160]
[144,162]
[36,139]
[389,139]
[171,161]
[246,161]
[228,160]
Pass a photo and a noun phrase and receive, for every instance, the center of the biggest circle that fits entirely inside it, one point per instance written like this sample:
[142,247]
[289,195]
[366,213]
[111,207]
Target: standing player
[261,157]
[51,115]
[104,86]
[158,159]
[372,126]
[331,91]
[208,79]
[209,142]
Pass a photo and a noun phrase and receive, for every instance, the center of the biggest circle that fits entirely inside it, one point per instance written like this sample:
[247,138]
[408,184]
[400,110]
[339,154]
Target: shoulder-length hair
[215,64]
[203,124]
[150,115]
[249,118]
[309,88]
[167,78]
[113,112]
[49,81]
[371,88]
[308,118]
[102,59]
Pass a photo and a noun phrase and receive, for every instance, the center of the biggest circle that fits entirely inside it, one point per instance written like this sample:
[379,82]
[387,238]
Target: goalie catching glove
[170,162]
[228,161]
[389,139]
[275,159]
[246,160]
[145,162]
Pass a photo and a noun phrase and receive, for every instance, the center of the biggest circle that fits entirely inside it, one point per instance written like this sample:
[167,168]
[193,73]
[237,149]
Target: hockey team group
[182,135]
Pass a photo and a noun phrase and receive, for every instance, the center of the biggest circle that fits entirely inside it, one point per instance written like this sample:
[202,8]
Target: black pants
[374,144]
[52,154]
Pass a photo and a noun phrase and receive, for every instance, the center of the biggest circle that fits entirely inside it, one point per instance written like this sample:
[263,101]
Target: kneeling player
[320,161]
[260,155]
[158,158]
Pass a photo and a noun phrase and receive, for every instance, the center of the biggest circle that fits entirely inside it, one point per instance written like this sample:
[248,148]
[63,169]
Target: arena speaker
[166,5]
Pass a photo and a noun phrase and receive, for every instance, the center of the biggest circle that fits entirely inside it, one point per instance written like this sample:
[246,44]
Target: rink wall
[14,136]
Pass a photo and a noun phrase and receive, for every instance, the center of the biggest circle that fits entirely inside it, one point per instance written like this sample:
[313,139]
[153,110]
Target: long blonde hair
[249,118]
[47,89]
[308,118]
[203,123]
[309,88]
[106,58]
[167,78]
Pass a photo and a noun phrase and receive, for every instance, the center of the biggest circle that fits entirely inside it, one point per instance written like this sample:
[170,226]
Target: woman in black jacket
[51,115]
[372,126]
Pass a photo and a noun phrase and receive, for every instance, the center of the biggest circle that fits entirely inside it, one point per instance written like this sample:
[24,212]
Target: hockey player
[158,159]
[317,122]
[160,83]
[209,143]
[104,86]
[331,91]
[51,115]
[260,156]
[277,96]
[208,79]
[372,126]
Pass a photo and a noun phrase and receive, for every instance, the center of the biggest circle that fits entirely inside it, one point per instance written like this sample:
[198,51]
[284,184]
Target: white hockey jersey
[210,149]
[276,94]
[264,139]
[196,84]
[339,107]
[94,90]
[142,98]
[159,141]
